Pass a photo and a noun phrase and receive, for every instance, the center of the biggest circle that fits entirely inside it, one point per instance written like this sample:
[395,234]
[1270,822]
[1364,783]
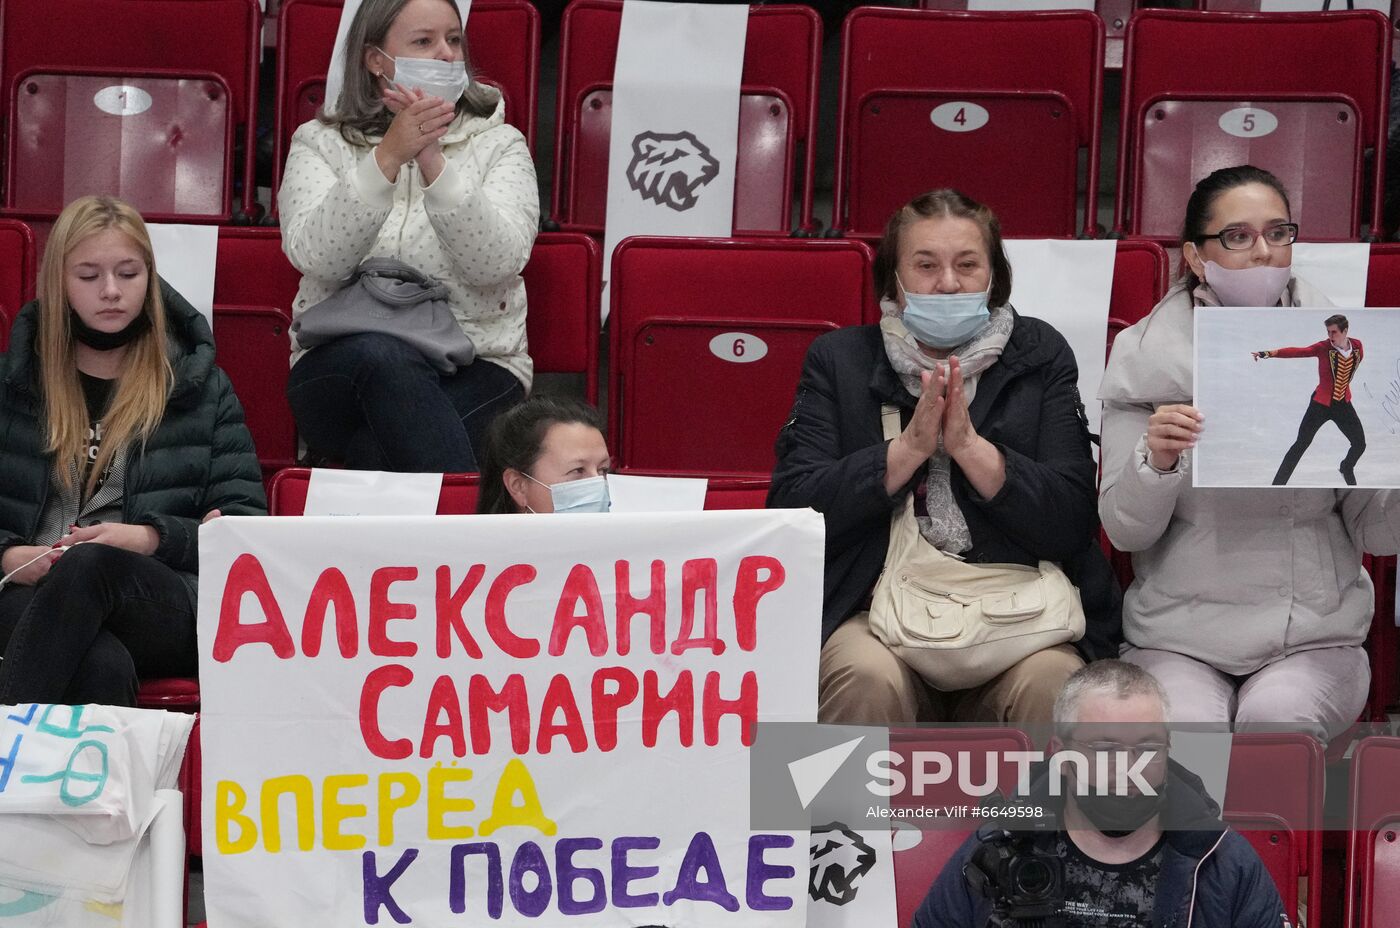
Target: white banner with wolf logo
[850,883]
[675,121]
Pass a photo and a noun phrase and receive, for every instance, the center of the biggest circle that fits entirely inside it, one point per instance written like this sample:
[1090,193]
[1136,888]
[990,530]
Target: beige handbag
[958,624]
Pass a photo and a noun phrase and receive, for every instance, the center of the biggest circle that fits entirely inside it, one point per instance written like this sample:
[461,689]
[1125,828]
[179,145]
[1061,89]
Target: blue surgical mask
[588,495]
[944,320]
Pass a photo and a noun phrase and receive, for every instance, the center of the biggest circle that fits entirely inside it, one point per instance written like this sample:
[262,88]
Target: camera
[1024,883]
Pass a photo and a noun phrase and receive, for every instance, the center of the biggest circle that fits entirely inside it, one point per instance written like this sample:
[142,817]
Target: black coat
[199,458]
[831,456]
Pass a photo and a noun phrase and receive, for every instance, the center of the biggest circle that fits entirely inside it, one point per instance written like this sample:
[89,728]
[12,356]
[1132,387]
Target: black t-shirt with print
[97,393]
[1099,895]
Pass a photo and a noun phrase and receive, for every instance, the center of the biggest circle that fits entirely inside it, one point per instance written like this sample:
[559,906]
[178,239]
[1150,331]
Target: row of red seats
[707,336]
[173,90]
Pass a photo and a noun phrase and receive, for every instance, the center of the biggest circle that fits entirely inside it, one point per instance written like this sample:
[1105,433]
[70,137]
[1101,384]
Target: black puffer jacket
[199,458]
[831,456]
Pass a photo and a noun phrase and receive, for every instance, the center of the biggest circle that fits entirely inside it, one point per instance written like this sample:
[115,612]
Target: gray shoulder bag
[389,297]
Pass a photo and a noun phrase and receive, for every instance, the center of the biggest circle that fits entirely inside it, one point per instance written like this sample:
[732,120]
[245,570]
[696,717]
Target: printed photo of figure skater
[1298,397]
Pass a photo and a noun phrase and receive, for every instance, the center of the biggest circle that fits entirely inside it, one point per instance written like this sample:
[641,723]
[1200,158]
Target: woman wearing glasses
[1249,605]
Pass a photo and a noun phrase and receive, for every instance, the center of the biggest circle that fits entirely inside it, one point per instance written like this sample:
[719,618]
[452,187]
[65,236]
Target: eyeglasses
[1240,238]
[1157,749]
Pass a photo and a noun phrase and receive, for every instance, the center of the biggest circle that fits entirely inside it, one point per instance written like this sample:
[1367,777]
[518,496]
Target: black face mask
[106,341]
[1119,816]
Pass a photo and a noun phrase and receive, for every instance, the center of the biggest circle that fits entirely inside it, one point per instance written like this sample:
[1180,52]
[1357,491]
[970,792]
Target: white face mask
[1261,285]
[445,79]
[587,495]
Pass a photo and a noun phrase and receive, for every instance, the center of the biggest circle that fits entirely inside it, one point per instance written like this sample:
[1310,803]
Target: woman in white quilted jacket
[414,162]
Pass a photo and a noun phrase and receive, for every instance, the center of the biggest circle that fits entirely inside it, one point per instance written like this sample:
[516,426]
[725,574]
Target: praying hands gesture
[942,410]
[419,124]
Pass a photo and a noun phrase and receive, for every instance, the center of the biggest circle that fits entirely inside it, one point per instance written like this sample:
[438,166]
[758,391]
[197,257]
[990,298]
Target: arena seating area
[179,142]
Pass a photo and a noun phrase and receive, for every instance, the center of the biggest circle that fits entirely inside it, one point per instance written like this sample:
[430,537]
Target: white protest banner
[502,719]
[1318,6]
[335,72]
[633,493]
[185,258]
[1023,6]
[675,121]
[1338,269]
[1274,420]
[334,492]
[79,788]
[1068,284]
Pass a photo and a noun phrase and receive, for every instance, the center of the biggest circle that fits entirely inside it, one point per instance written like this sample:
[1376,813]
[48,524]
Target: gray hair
[361,112]
[1119,678]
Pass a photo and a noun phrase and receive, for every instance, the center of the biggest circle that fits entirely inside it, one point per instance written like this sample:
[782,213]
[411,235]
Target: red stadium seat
[1141,271]
[1373,843]
[1300,95]
[503,43]
[917,867]
[16,273]
[179,694]
[777,115]
[50,54]
[288,495]
[1114,13]
[162,141]
[737,493]
[722,492]
[974,101]
[1274,798]
[1383,276]
[563,281]
[1140,274]
[252,270]
[708,338]
[251,344]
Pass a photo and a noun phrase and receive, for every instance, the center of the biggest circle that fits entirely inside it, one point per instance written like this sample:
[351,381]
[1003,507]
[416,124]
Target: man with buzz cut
[1338,357]
[1124,859]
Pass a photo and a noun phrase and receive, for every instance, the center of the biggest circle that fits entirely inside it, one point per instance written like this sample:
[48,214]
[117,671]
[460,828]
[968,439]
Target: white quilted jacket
[472,229]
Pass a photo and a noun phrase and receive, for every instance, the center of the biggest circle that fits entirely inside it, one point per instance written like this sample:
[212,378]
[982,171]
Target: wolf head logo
[839,860]
[669,167]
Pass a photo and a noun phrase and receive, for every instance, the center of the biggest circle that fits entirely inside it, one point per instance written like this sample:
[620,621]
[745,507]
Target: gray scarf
[944,527]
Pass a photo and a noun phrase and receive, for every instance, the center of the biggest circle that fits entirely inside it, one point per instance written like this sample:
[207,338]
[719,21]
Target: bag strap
[890,422]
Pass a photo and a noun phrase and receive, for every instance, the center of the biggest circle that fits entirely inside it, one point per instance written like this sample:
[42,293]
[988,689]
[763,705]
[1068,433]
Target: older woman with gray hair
[945,446]
[413,162]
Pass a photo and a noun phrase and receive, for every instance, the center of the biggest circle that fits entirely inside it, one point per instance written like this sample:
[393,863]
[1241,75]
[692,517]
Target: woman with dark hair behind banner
[547,454]
[946,442]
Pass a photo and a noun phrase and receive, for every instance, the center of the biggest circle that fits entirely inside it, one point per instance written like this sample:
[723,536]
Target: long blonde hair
[146,376]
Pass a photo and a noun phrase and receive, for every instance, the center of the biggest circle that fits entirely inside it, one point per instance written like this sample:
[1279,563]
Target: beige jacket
[472,228]
[1236,578]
